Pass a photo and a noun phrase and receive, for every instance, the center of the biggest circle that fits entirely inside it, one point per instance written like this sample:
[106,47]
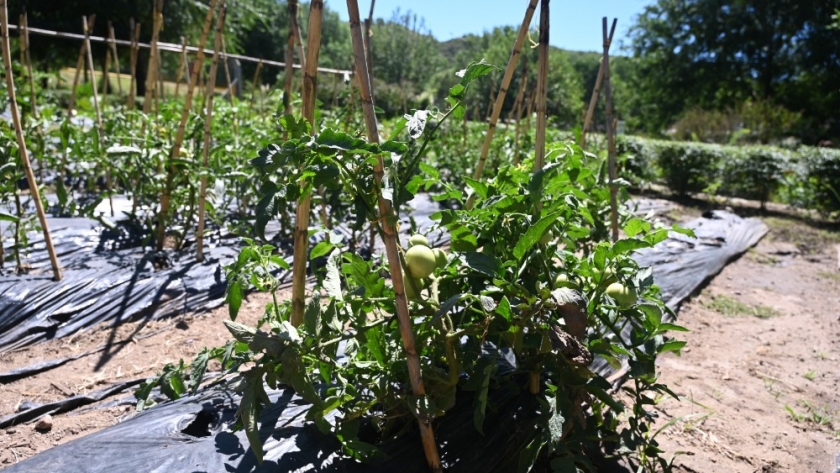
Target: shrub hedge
[806,176]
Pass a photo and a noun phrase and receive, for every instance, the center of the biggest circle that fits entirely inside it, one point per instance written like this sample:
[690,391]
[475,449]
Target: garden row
[805,177]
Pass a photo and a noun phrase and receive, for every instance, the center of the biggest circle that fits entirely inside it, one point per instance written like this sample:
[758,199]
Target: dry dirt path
[760,376]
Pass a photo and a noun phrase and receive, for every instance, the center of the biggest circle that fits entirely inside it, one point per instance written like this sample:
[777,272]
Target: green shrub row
[806,177]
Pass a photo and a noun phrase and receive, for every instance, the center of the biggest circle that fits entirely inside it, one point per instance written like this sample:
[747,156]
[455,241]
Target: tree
[715,54]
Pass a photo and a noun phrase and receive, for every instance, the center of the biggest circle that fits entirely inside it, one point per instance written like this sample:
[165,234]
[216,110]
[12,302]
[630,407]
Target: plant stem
[24,155]
[386,213]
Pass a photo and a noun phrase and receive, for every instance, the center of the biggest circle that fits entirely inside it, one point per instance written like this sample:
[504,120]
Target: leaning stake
[542,87]
[389,237]
[208,120]
[112,40]
[99,126]
[310,80]
[500,98]
[166,197]
[24,155]
[610,130]
[595,91]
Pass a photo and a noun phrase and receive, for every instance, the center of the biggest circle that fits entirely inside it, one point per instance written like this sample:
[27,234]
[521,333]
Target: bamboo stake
[113,41]
[182,64]
[500,98]
[161,93]
[290,52]
[99,125]
[208,120]
[166,197]
[227,76]
[106,79]
[24,155]
[299,38]
[301,236]
[595,92]
[135,38]
[610,130]
[24,41]
[369,46]
[517,114]
[427,435]
[542,87]
[254,86]
[150,74]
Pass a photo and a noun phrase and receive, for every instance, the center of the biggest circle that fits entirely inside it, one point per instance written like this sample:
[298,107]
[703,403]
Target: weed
[730,307]
[807,238]
[834,276]
[819,416]
[809,375]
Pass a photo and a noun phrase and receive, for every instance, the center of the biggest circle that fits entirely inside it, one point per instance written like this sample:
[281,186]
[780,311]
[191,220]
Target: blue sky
[575,24]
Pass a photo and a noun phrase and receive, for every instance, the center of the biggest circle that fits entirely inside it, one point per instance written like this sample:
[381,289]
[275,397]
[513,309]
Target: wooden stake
[290,57]
[299,39]
[517,111]
[542,87]
[301,236]
[113,42]
[166,197]
[208,120]
[369,46]
[227,76]
[386,212]
[595,92]
[24,42]
[610,130]
[152,72]
[254,85]
[24,155]
[99,125]
[106,78]
[182,65]
[135,39]
[500,98]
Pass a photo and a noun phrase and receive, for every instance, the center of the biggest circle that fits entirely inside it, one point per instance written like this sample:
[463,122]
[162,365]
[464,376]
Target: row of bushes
[806,176]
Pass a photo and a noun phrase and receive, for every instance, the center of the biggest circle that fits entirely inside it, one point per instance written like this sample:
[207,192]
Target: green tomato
[547,237]
[420,261]
[562,280]
[418,240]
[607,277]
[410,293]
[440,258]
[624,296]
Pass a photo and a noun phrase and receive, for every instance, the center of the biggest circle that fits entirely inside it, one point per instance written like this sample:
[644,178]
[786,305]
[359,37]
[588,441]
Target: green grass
[730,307]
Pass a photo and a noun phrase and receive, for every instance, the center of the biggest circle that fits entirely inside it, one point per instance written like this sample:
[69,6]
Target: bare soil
[759,380]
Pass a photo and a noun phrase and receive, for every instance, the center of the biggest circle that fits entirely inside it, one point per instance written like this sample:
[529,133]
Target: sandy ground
[760,377]
[758,380]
